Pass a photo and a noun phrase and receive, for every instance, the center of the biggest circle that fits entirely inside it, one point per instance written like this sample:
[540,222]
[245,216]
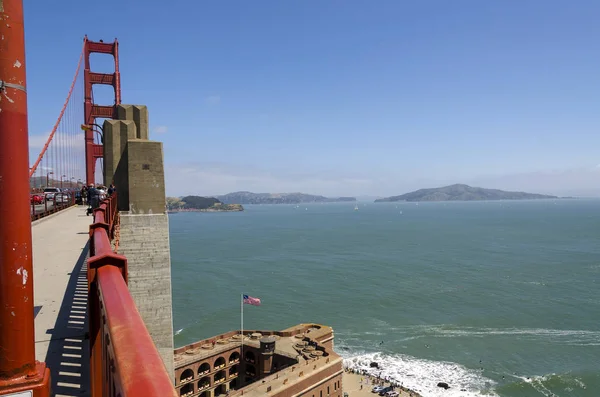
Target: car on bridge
[62,198]
[49,193]
[36,198]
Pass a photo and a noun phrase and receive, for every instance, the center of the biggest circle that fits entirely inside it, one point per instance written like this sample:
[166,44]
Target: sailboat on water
[356,207]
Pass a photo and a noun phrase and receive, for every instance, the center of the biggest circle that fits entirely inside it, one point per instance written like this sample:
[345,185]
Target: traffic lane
[40,208]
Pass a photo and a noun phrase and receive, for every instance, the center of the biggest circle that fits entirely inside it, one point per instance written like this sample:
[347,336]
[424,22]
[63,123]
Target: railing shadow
[68,354]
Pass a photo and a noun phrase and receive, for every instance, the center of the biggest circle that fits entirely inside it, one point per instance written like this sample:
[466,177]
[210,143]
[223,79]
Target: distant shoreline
[205,210]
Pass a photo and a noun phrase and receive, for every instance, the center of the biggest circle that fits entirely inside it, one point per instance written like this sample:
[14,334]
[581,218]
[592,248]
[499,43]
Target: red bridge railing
[41,209]
[124,361]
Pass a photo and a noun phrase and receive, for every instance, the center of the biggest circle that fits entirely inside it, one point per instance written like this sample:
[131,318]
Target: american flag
[251,301]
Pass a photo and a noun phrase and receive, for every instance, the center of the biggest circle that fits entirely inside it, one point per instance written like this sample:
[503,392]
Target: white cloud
[160,129]
[221,178]
[37,141]
[75,141]
[213,100]
[216,178]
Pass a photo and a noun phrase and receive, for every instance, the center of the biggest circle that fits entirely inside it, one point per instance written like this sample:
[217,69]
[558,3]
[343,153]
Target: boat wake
[423,375]
[560,336]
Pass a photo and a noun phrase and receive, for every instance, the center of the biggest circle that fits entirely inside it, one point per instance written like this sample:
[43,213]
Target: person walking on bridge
[84,194]
[93,198]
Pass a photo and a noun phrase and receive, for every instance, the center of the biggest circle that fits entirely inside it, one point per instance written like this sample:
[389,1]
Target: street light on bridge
[48,178]
[61,180]
[89,127]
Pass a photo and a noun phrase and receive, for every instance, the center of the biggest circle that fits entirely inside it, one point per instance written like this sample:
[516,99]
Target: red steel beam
[102,78]
[18,369]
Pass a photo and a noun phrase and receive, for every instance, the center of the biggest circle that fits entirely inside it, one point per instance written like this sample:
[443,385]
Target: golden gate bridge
[76,127]
[123,359]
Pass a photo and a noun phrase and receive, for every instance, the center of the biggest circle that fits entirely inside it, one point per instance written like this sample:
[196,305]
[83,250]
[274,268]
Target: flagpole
[242,327]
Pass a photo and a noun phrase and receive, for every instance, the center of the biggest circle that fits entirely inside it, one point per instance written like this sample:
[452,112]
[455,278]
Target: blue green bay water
[496,298]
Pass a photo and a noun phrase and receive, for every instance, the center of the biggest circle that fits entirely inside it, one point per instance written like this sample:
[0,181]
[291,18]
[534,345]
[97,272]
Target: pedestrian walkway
[60,250]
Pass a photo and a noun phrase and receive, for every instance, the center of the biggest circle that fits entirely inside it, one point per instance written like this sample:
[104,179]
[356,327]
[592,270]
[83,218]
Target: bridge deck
[60,250]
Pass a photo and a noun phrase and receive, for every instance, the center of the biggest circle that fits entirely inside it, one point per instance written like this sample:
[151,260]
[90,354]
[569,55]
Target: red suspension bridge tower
[92,111]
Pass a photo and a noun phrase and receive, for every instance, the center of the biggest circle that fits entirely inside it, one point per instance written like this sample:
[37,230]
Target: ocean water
[496,298]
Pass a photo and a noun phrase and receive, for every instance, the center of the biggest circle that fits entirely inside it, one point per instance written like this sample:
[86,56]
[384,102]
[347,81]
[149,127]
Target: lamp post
[87,127]
[71,182]
[48,178]
[61,180]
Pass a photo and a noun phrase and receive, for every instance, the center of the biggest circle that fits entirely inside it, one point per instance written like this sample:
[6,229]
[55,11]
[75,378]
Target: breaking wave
[423,375]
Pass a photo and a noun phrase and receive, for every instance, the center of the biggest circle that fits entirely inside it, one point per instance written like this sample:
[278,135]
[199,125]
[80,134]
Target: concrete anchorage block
[116,135]
[137,113]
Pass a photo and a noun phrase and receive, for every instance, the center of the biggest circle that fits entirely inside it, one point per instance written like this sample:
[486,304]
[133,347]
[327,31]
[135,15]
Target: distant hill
[199,203]
[40,181]
[278,198]
[460,192]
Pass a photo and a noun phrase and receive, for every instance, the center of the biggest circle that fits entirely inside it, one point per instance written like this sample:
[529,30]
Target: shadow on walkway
[68,354]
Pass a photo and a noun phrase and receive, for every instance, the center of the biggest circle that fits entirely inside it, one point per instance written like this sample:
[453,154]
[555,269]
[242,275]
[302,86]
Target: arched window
[220,390]
[250,357]
[220,377]
[186,375]
[187,390]
[250,370]
[220,363]
[204,383]
[234,358]
[204,368]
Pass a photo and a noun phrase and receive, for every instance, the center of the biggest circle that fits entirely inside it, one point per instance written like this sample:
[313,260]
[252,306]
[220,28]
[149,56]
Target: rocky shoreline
[359,384]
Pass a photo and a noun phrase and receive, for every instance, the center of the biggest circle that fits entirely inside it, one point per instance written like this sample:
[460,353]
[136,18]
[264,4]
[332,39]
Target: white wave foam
[423,375]
[537,383]
[178,331]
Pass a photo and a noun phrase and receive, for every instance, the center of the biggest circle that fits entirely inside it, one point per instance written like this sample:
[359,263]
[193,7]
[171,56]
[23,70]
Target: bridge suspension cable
[61,161]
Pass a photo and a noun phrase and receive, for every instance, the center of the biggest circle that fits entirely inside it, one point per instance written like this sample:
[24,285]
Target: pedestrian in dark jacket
[93,198]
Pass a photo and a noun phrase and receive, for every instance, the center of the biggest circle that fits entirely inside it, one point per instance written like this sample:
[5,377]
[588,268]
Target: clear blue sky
[343,97]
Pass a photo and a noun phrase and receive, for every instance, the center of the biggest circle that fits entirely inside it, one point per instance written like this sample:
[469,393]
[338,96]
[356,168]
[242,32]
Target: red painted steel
[18,368]
[124,360]
[94,151]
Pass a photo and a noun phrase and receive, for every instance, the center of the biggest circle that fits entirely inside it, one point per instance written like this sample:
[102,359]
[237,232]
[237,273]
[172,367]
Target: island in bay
[200,204]
[460,192]
[278,198]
